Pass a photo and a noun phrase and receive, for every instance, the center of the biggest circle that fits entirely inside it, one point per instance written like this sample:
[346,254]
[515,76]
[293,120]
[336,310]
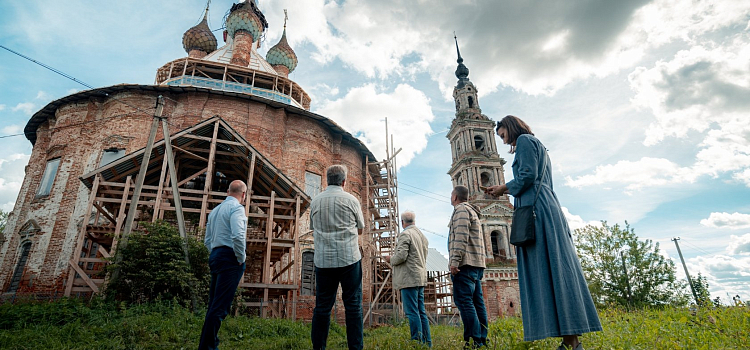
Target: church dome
[282,54]
[247,17]
[200,38]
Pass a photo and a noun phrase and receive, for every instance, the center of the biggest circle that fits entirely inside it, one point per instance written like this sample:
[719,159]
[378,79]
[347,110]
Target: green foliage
[3,222]
[71,324]
[153,267]
[700,284]
[651,275]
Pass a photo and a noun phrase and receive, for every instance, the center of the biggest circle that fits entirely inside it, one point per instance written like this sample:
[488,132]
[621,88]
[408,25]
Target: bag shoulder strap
[544,172]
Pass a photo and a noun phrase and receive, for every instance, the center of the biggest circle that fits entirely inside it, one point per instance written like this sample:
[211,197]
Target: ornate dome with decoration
[282,54]
[246,16]
[199,37]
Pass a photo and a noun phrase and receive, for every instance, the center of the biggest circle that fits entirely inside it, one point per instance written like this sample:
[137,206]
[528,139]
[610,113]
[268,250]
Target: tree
[700,284]
[3,222]
[650,274]
[153,267]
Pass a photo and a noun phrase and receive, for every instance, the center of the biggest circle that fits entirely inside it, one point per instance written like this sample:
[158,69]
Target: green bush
[153,267]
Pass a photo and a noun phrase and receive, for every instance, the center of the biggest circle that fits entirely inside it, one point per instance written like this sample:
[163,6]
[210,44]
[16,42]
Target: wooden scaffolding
[382,207]
[207,157]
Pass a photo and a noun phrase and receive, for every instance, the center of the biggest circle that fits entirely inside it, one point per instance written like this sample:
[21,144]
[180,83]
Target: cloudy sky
[643,105]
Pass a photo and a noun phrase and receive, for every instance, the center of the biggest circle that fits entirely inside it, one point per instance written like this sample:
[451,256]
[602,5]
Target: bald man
[225,240]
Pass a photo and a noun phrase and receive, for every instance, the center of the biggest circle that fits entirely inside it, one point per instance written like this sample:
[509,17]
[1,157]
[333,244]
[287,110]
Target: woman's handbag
[522,232]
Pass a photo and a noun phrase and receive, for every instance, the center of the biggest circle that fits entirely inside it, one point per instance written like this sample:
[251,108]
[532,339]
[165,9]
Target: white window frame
[48,178]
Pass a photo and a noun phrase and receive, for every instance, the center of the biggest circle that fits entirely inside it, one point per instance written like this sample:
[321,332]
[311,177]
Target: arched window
[471,102]
[20,266]
[307,287]
[479,143]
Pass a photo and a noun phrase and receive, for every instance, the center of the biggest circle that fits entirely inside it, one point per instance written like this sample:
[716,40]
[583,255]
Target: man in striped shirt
[466,249]
[336,220]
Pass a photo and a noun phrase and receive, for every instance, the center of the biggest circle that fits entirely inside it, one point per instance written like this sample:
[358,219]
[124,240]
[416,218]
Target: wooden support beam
[190,153]
[250,174]
[139,183]
[121,214]
[269,238]
[276,276]
[194,175]
[103,212]
[81,235]
[84,277]
[209,177]
[297,256]
[160,190]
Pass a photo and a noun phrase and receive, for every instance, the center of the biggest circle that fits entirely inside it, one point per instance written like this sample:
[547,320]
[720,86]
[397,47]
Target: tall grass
[71,324]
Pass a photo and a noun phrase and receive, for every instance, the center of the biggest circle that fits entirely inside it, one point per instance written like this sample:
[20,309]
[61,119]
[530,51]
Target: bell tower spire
[477,164]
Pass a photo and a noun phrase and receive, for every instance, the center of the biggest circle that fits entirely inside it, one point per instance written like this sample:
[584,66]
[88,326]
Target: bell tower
[476,163]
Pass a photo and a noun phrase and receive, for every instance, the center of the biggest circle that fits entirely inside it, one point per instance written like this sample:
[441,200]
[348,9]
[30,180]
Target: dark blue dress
[555,299]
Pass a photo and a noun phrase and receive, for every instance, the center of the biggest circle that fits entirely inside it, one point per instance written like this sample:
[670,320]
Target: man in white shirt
[336,220]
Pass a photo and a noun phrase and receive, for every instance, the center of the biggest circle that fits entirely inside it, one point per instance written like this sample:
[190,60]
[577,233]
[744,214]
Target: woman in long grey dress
[555,299]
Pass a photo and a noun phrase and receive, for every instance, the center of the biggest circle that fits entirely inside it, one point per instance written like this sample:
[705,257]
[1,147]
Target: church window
[18,272]
[471,102]
[307,287]
[495,238]
[313,184]
[486,179]
[479,143]
[48,178]
[110,155]
[459,180]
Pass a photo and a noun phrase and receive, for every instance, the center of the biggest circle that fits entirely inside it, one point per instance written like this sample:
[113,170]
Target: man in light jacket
[410,276]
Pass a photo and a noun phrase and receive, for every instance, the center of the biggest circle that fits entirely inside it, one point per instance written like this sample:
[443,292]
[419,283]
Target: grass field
[74,325]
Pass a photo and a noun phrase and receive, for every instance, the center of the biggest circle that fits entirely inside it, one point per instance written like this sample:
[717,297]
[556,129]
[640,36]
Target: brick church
[231,114]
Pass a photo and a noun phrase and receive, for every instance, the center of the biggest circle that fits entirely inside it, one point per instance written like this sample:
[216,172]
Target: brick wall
[81,130]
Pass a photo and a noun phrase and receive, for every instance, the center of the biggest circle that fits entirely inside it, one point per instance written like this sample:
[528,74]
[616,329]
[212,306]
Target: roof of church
[49,110]
[224,55]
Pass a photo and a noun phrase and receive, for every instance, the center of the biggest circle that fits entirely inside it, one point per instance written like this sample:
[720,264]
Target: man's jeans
[413,301]
[226,274]
[467,294]
[327,282]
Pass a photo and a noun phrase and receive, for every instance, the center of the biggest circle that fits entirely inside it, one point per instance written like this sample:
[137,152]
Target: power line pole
[627,280]
[690,280]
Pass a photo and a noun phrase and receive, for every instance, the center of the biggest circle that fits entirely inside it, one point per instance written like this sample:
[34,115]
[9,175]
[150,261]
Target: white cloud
[12,129]
[732,221]
[362,112]
[743,176]
[704,89]
[725,274]
[11,178]
[575,221]
[2,107]
[25,107]
[703,85]
[645,172]
[740,245]
[41,95]
[537,47]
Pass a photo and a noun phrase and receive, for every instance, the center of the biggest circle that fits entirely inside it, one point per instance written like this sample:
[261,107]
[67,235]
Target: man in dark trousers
[336,220]
[466,250]
[225,240]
